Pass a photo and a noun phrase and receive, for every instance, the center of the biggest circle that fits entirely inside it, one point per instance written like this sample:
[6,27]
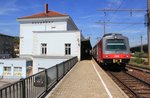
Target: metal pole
[23,89]
[128,10]
[148,31]
[46,79]
[141,44]
[104,28]
[57,72]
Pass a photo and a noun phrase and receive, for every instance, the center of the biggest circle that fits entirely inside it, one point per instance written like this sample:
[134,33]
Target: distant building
[46,38]
[14,68]
[16,46]
[6,46]
[138,48]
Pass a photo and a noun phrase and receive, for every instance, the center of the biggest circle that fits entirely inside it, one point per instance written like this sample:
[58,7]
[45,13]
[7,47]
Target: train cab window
[115,44]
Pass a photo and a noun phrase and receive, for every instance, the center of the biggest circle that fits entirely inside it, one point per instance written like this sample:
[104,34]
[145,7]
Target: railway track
[141,73]
[132,86]
[145,70]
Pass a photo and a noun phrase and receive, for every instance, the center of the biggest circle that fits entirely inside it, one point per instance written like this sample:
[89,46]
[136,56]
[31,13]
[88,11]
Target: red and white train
[112,48]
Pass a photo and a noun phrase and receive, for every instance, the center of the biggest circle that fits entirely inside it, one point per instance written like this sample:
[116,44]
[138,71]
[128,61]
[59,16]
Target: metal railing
[39,84]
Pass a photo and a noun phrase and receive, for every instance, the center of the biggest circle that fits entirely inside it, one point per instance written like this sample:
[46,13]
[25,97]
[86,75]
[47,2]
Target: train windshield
[115,44]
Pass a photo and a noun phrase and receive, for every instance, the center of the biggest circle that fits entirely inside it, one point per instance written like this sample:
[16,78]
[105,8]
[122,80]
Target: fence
[38,84]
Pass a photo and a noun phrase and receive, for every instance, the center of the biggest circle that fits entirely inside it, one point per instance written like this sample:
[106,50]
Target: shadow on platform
[86,49]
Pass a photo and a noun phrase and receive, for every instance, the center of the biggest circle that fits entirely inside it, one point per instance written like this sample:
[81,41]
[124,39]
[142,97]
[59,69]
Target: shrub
[140,54]
[138,60]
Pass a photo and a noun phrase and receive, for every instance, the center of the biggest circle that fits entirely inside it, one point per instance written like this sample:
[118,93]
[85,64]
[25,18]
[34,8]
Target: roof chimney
[46,8]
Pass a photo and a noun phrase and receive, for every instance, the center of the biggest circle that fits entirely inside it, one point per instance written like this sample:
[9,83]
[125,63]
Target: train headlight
[106,56]
[127,56]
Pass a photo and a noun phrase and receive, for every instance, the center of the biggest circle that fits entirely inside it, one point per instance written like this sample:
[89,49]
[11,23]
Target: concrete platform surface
[86,80]
[7,81]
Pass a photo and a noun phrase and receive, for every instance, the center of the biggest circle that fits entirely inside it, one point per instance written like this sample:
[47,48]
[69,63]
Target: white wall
[45,63]
[56,43]
[13,63]
[26,33]
[69,26]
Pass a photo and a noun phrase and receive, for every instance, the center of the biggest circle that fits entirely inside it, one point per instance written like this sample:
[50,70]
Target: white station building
[46,38]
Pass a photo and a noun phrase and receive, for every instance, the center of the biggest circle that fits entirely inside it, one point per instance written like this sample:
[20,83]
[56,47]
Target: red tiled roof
[43,14]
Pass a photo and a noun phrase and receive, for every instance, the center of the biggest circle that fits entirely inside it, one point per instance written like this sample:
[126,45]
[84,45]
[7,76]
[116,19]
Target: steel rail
[130,77]
[128,88]
[145,70]
[144,82]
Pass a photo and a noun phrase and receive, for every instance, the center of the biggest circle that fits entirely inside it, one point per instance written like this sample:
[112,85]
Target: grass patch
[139,65]
[140,55]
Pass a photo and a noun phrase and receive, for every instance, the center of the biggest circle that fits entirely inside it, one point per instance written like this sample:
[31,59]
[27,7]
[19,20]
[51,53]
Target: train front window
[115,44]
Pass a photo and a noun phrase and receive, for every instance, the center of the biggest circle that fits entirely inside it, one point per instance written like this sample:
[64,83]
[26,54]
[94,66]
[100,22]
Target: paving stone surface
[83,82]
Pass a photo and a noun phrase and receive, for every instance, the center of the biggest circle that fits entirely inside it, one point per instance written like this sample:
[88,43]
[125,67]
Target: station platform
[86,80]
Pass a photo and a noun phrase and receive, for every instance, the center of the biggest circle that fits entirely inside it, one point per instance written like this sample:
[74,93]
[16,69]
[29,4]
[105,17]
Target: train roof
[110,34]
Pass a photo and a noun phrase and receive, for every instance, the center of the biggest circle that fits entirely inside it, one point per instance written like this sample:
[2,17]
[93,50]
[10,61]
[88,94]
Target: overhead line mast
[135,10]
[120,22]
[126,10]
[131,11]
[148,29]
[104,23]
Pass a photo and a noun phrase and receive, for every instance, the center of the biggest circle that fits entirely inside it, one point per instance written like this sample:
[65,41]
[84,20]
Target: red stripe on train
[116,56]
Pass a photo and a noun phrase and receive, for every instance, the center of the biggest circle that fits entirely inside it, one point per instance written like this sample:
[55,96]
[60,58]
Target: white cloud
[138,15]
[8,7]
[113,3]
[8,23]
[88,16]
[94,26]
[6,11]
[91,17]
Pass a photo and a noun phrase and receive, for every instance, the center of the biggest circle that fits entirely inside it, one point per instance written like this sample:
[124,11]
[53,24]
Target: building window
[44,48]
[67,49]
[17,71]
[53,27]
[7,71]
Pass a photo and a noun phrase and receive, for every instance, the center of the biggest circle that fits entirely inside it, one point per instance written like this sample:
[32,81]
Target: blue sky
[84,13]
